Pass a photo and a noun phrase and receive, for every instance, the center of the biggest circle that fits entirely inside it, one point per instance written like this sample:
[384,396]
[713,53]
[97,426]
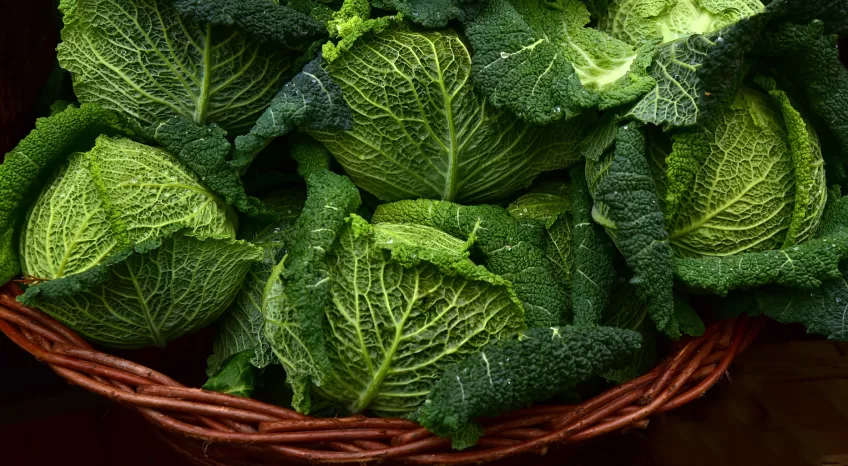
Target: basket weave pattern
[219,429]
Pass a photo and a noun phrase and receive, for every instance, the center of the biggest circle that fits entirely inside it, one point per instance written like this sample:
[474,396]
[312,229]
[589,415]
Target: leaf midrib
[376,383]
[201,108]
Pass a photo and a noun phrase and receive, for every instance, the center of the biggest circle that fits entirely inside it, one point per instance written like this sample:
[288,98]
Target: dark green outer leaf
[431,13]
[808,63]
[311,100]
[823,311]
[298,290]
[593,272]
[530,57]
[205,151]
[261,19]
[513,374]
[627,189]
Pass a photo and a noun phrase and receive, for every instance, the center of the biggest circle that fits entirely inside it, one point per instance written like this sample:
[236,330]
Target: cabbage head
[421,131]
[128,248]
[752,180]
[211,62]
[374,320]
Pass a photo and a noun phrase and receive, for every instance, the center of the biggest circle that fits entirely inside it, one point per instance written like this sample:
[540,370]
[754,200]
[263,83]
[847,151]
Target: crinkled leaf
[728,61]
[350,23]
[311,100]
[144,60]
[823,310]
[298,289]
[807,165]
[674,100]
[263,20]
[153,296]
[35,158]
[236,377]
[537,59]
[205,150]
[316,9]
[407,303]
[627,192]
[808,64]
[511,374]
[431,13]
[805,265]
[420,130]
[593,273]
[508,248]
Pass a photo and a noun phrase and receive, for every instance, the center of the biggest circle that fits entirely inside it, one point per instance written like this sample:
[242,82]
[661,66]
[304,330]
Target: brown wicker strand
[216,429]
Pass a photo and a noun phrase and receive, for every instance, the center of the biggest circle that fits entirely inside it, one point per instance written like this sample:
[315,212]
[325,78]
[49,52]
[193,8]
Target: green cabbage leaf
[514,373]
[640,21]
[143,59]
[512,249]
[539,60]
[421,131]
[237,376]
[627,204]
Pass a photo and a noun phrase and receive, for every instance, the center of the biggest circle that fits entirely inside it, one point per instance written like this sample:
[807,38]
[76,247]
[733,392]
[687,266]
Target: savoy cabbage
[495,202]
[132,249]
[218,61]
[421,131]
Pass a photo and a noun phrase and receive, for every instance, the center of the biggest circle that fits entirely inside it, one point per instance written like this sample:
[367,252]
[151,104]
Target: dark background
[786,402]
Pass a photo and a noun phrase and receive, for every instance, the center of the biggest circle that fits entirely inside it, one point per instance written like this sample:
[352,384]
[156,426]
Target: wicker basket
[217,429]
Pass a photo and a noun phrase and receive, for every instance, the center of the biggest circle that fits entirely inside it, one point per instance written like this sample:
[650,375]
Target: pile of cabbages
[440,210]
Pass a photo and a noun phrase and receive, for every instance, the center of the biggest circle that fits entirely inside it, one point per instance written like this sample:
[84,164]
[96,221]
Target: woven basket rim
[191,419]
